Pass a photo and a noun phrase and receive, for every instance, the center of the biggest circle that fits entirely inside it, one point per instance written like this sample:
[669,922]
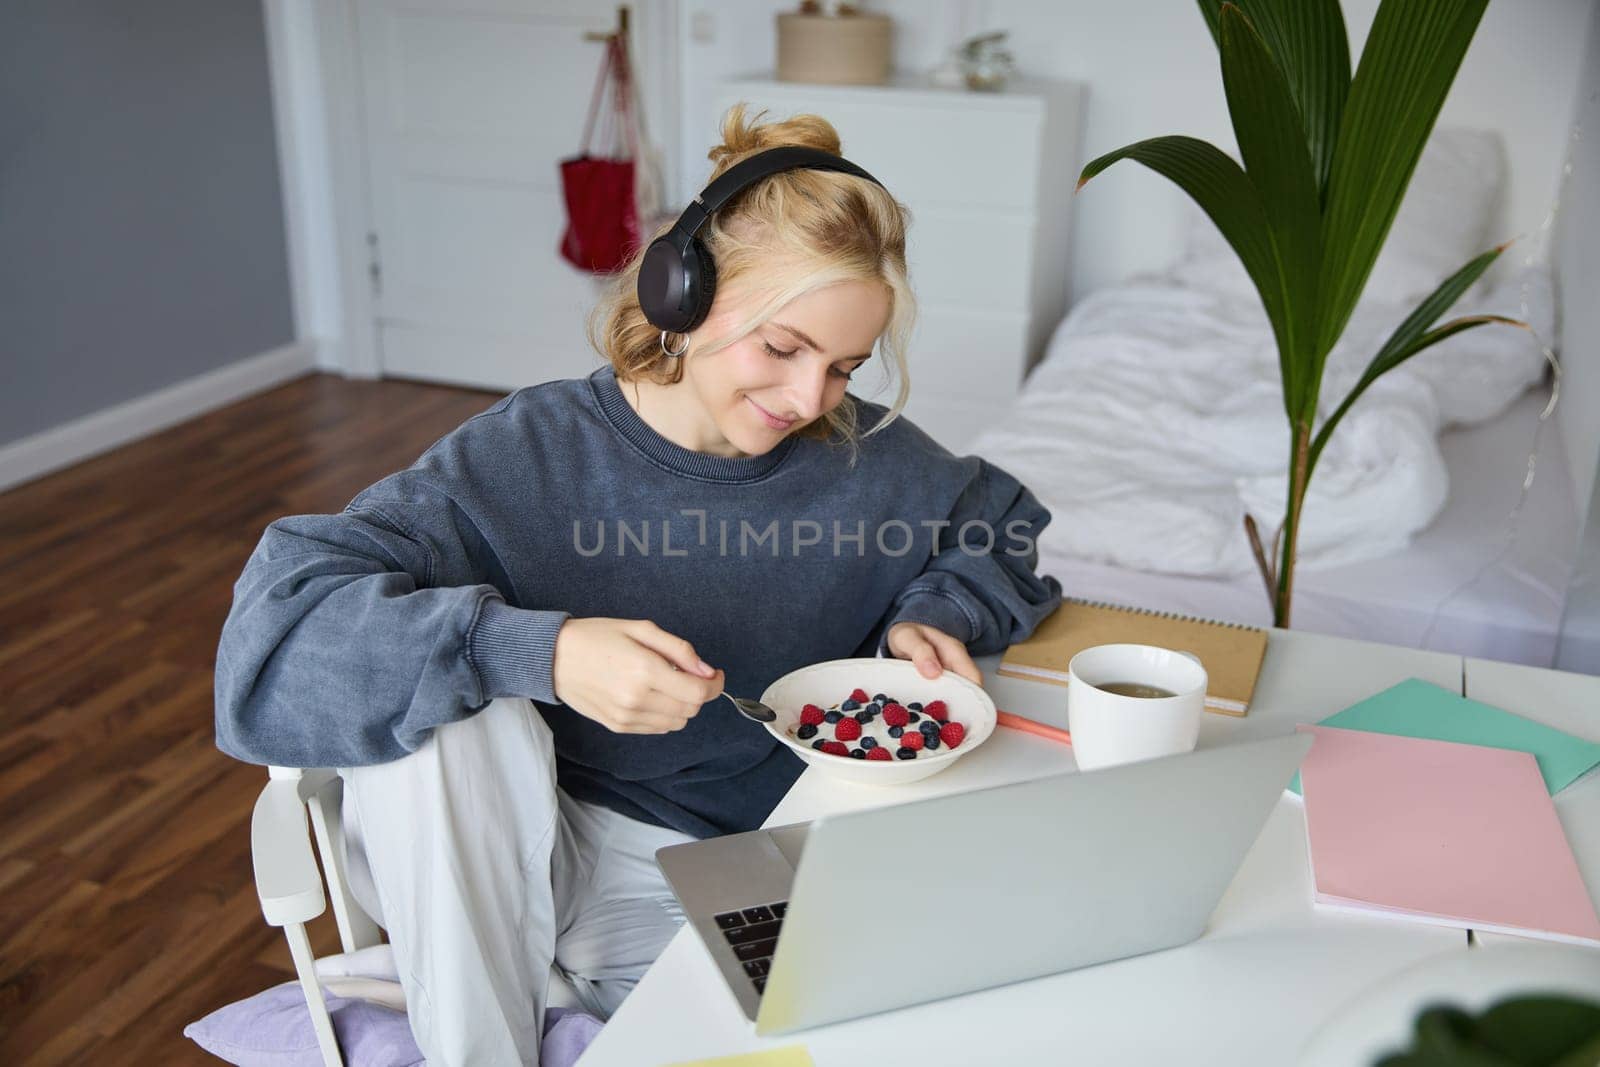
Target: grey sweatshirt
[352,636]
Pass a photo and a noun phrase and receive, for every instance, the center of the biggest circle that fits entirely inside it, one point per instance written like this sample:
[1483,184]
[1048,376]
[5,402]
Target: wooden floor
[126,903]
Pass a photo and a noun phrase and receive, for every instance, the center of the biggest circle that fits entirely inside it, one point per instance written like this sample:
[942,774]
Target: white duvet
[1155,423]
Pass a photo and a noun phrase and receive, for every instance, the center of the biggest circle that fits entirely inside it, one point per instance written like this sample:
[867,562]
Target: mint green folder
[1415,708]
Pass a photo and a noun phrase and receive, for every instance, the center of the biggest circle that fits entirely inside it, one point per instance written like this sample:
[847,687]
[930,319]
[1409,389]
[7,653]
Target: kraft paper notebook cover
[1415,708]
[1443,833]
[1230,653]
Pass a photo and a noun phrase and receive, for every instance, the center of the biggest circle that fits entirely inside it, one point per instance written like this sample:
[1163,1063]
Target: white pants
[487,876]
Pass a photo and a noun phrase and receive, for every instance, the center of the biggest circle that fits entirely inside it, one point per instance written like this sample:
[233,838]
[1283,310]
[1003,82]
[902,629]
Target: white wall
[1151,68]
[1578,275]
[1577,258]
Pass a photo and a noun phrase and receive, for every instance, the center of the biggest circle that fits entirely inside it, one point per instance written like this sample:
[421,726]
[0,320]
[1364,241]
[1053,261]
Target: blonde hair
[785,236]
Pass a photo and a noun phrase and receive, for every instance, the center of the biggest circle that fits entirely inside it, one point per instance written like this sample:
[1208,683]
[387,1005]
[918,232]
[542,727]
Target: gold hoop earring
[665,351]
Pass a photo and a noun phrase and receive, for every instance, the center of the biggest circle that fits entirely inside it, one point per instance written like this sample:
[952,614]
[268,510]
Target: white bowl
[828,683]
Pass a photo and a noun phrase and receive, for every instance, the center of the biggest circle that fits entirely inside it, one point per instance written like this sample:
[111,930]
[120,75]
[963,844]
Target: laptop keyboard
[753,935]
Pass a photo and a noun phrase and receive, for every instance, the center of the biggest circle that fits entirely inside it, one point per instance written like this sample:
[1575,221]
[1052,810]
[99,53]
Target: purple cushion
[273,1029]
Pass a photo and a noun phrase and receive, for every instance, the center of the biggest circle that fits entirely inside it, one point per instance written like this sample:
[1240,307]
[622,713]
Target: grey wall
[141,220]
[1578,273]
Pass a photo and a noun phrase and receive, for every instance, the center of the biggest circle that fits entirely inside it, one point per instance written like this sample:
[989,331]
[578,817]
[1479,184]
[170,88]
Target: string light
[1513,520]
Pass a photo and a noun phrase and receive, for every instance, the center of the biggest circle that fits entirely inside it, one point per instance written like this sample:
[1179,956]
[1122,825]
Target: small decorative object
[844,46]
[985,62]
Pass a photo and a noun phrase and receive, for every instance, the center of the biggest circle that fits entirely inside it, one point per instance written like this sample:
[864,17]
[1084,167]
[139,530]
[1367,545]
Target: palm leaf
[1307,39]
[1273,147]
[1413,336]
[1222,190]
[1410,59]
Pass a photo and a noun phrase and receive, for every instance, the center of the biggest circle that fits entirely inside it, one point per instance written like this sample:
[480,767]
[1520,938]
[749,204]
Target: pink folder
[1434,831]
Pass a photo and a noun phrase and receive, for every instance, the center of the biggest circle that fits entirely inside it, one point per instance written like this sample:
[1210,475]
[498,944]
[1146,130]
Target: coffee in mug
[1137,689]
[1133,702]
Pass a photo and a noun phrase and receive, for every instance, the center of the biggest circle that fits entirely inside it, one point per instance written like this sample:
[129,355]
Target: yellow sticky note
[787,1056]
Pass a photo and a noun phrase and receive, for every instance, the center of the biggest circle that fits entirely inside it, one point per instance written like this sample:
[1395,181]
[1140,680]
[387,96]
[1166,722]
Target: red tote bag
[602,213]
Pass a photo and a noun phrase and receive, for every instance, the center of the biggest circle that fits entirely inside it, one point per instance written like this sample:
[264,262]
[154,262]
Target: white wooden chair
[290,886]
[291,889]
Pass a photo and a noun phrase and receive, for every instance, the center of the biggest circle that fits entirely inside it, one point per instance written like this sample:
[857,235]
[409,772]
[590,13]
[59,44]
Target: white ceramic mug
[1110,728]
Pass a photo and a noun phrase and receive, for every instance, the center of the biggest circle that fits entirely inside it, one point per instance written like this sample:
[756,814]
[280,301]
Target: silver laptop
[855,914]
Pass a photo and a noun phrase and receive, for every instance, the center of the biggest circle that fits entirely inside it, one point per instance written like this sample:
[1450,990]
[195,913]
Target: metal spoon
[752,709]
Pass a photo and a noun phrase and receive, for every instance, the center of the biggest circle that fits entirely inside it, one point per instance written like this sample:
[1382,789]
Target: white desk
[1569,702]
[1267,971]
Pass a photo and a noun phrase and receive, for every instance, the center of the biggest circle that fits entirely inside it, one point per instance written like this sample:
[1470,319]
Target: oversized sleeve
[980,584]
[352,636]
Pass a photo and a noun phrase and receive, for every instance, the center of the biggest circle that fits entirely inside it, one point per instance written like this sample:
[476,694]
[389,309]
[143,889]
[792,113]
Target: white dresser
[988,178]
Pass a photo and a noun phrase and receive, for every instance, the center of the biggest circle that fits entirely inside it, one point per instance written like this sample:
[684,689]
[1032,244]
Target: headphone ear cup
[702,287]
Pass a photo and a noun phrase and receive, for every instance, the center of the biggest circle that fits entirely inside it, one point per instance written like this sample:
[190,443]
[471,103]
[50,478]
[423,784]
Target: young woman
[514,649]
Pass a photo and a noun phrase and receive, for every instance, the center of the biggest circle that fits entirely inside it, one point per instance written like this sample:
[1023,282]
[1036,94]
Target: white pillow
[1442,223]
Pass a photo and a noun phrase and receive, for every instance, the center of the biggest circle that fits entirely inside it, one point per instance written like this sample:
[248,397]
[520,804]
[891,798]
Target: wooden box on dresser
[988,178]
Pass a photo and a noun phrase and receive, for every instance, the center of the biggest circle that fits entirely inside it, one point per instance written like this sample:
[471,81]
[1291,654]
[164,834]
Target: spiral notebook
[1230,652]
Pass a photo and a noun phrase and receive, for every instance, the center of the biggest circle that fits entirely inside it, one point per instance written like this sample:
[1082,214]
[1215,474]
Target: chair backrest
[285,868]
[290,886]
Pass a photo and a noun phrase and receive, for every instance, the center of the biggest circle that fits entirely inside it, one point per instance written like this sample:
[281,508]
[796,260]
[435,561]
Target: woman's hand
[630,675]
[932,650]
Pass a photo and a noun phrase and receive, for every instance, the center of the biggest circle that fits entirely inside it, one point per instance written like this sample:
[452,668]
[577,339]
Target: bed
[1154,423]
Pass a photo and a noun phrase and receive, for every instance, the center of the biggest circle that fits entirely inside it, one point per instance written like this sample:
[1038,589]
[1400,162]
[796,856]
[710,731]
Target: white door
[468,107]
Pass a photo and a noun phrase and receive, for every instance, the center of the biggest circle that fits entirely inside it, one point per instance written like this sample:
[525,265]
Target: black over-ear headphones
[678,278]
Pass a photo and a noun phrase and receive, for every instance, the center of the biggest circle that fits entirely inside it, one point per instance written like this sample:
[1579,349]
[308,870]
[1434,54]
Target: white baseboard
[24,460]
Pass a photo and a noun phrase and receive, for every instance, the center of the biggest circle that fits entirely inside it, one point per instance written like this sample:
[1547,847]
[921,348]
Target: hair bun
[743,137]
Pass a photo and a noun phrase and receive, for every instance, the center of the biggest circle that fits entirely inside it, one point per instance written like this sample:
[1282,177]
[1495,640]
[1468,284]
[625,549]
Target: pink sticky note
[1461,835]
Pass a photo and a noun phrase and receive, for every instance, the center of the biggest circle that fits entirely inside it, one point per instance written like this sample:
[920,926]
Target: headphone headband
[677,278]
[749,171]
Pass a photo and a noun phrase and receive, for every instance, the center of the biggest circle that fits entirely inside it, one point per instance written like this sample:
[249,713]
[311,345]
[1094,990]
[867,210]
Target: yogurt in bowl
[827,685]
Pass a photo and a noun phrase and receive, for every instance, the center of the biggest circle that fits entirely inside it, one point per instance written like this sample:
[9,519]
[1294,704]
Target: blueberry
[858,753]
[914,716]
[850,705]
[896,731]
[929,729]
[831,716]
[931,741]
[915,705]
[874,707]
[806,732]
[880,698]
[863,717]
[905,753]
[869,742]
[818,743]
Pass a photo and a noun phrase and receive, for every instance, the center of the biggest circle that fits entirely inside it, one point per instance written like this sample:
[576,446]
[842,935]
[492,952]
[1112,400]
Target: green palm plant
[1326,161]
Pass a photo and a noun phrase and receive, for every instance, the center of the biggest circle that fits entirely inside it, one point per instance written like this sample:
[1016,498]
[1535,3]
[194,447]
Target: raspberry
[937,709]
[846,729]
[895,715]
[952,733]
[880,754]
[912,740]
[810,715]
[859,696]
[835,748]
